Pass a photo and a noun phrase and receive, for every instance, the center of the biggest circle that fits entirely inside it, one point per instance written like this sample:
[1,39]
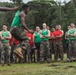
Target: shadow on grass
[69,67]
[54,65]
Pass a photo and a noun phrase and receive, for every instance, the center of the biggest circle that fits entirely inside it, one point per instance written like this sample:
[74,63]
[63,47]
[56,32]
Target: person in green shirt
[36,42]
[19,22]
[18,25]
[67,42]
[72,42]
[5,47]
[45,45]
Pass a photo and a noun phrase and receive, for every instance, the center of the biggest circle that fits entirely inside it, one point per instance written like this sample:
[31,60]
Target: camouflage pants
[51,49]
[67,50]
[58,50]
[13,57]
[72,49]
[26,47]
[18,34]
[45,51]
[5,52]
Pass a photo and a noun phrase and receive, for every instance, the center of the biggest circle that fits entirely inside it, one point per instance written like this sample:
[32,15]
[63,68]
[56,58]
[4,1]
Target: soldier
[28,44]
[45,46]
[5,47]
[18,23]
[37,41]
[27,48]
[67,42]
[58,47]
[62,40]
[72,42]
[61,29]
[52,41]
[13,43]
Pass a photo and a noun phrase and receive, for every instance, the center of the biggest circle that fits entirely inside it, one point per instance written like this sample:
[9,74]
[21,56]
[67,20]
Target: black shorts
[37,45]
[17,34]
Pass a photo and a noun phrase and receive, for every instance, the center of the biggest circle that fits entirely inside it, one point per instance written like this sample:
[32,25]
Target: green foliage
[6,17]
[52,13]
[17,1]
[48,11]
[44,1]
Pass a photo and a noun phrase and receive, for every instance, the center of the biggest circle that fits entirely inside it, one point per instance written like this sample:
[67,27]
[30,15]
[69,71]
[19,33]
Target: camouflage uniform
[26,47]
[13,57]
[51,48]
[72,49]
[5,48]
[21,36]
[58,49]
[72,44]
[45,51]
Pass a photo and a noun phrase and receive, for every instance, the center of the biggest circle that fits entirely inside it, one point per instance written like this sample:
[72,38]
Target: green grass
[54,68]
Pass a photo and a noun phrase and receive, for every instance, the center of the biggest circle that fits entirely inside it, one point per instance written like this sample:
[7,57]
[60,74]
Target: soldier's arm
[8,9]
[33,37]
[62,32]
[73,34]
[60,35]
[33,40]
[22,16]
[68,32]
[2,38]
[41,36]
[48,36]
[9,37]
[52,37]
[66,36]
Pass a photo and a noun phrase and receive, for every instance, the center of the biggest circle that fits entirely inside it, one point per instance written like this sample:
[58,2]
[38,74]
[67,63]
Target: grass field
[54,68]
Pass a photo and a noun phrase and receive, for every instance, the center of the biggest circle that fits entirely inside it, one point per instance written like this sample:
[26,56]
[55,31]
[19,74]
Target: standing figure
[5,47]
[45,45]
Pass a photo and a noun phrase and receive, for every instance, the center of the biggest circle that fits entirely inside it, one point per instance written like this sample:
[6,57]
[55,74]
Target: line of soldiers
[42,43]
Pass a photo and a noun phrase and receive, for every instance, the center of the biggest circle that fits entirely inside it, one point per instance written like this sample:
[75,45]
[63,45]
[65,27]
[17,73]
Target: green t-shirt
[5,34]
[72,31]
[67,41]
[37,38]
[16,21]
[45,33]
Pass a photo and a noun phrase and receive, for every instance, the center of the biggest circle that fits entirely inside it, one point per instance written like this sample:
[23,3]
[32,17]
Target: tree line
[48,11]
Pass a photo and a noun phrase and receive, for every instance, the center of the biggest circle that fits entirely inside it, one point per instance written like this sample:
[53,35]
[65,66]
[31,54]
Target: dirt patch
[54,65]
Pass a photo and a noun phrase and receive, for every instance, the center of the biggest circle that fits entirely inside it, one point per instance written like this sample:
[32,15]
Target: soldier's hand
[31,31]
[3,38]
[15,8]
[34,46]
